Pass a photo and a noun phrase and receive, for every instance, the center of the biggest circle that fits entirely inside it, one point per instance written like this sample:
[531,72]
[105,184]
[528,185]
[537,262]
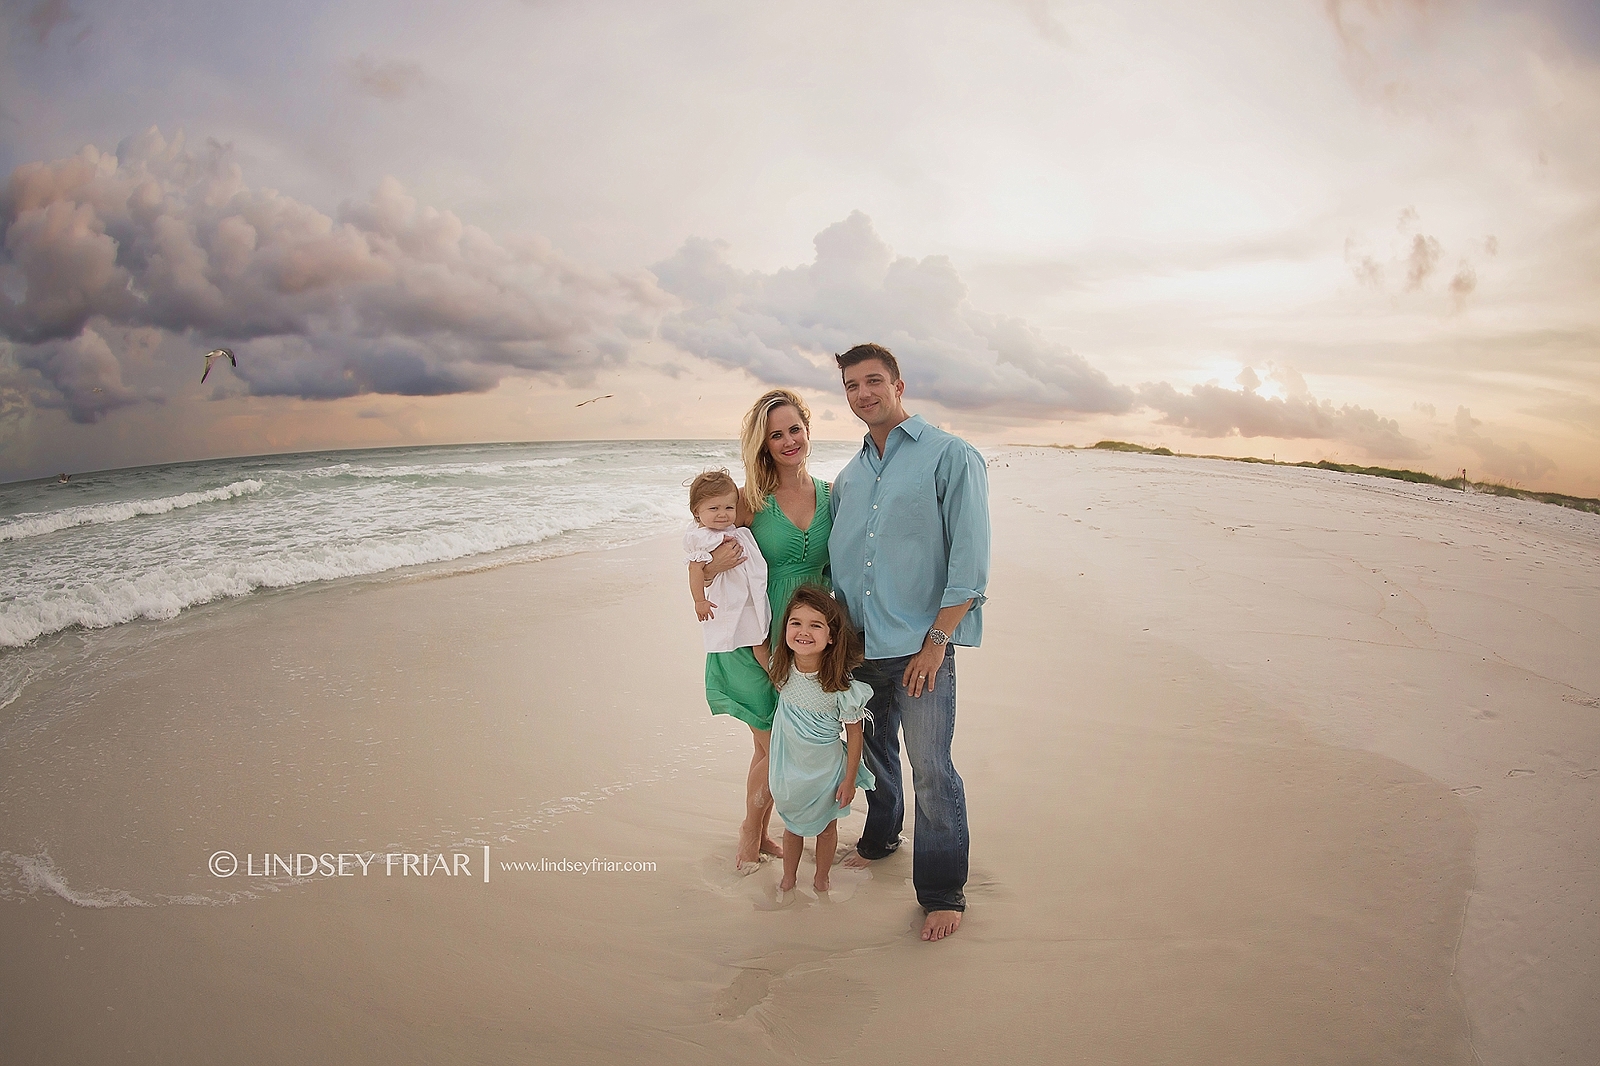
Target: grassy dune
[1577,503]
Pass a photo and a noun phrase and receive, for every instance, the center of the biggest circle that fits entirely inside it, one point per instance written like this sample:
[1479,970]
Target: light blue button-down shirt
[910,536]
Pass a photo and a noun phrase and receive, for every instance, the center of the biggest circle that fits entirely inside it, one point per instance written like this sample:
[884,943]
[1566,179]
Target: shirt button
[869,564]
[872,534]
[869,592]
[874,507]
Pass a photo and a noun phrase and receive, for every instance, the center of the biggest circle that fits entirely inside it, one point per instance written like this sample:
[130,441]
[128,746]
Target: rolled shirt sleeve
[963,483]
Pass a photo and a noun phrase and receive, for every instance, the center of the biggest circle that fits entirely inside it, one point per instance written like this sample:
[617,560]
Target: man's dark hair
[862,352]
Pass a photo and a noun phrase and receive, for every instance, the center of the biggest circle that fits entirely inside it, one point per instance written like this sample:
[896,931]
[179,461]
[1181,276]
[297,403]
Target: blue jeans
[939,850]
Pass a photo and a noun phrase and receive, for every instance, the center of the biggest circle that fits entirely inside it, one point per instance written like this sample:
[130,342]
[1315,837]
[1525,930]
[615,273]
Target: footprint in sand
[1519,772]
[801,1000]
[718,875]
[772,898]
[844,881]
[1586,774]
[1467,790]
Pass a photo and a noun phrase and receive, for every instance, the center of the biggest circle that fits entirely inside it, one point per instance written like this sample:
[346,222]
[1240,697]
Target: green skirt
[736,685]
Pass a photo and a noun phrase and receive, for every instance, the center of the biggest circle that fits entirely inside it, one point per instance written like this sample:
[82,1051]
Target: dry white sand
[1263,765]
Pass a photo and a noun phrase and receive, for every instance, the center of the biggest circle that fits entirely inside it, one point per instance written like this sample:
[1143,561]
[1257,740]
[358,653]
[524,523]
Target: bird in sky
[213,355]
[607,396]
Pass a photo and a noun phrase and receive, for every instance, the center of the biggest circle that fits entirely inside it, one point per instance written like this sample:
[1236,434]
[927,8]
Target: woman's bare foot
[940,924]
[771,847]
[749,850]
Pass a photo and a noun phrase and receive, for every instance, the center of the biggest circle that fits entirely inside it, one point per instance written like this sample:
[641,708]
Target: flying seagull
[215,354]
[607,396]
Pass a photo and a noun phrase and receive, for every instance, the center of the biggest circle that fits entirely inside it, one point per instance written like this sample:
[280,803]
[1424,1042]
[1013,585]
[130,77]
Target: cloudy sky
[1366,230]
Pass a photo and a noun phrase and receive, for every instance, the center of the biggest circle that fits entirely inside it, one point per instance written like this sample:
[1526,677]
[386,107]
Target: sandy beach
[1265,765]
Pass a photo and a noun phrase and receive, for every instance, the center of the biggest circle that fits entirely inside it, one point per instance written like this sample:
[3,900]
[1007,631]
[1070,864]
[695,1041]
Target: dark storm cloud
[85,376]
[384,296]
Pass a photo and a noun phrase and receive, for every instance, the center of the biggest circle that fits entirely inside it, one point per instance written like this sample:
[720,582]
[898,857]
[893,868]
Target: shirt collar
[912,426]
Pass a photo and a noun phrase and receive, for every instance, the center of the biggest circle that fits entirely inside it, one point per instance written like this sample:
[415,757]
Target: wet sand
[1182,852]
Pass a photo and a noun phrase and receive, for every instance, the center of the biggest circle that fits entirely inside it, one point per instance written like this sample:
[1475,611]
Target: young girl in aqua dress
[812,772]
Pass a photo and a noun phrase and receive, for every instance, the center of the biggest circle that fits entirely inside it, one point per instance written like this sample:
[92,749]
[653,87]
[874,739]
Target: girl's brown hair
[708,486]
[760,471]
[838,658]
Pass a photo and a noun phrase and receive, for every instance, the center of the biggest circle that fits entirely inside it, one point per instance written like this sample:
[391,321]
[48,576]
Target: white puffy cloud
[1515,463]
[1212,411]
[386,295]
[784,327]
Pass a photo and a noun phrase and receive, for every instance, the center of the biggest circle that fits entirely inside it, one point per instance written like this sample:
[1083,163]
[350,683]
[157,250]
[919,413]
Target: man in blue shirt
[910,559]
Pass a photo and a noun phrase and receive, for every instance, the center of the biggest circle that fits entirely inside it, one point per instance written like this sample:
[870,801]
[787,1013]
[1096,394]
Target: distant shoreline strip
[1491,488]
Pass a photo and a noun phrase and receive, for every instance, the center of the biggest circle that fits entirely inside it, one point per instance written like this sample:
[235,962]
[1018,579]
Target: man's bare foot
[854,860]
[786,884]
[940,924]
[771,847]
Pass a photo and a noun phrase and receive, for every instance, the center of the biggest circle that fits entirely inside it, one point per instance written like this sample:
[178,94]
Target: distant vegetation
[1124,446]
[1578,503]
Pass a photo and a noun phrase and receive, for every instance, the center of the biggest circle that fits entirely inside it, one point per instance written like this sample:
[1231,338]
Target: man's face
[872,396]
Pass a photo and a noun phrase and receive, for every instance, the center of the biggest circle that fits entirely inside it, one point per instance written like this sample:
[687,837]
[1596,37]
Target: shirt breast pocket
[906,509]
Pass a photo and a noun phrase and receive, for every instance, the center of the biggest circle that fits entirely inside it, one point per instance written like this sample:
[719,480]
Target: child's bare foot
[820,882]
[940,924]
[786,884]
[771,847]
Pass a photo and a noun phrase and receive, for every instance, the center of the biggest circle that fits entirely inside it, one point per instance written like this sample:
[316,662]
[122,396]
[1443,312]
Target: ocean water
[109,548]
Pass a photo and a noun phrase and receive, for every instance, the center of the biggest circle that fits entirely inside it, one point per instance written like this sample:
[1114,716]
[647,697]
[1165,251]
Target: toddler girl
[812,772]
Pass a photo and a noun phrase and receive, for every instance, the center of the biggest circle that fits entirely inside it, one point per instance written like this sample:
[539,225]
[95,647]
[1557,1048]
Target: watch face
[938,637]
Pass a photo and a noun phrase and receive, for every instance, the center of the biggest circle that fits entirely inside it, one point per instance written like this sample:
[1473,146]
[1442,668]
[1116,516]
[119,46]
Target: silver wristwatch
[938,637]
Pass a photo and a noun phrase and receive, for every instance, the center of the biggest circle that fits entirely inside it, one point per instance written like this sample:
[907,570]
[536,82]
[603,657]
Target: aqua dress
[807,759]
[794,556]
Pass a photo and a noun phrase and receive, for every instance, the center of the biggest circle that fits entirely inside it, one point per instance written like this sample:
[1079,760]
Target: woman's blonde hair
[760,471]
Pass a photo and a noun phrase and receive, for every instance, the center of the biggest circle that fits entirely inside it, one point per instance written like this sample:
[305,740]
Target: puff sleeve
[698,542]
[853,703]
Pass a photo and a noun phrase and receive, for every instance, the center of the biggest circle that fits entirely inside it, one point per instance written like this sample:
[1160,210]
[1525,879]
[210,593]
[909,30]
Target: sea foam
[94,514]
[73,557]
[164,591]
[36,873]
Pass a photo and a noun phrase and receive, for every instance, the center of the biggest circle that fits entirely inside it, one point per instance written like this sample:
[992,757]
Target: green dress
[794,556]
[735,683]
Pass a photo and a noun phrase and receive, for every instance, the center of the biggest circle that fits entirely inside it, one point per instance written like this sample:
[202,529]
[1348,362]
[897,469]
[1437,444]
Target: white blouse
[742,616]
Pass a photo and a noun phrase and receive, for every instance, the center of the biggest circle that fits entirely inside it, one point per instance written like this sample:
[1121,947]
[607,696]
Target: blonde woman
[789,514]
